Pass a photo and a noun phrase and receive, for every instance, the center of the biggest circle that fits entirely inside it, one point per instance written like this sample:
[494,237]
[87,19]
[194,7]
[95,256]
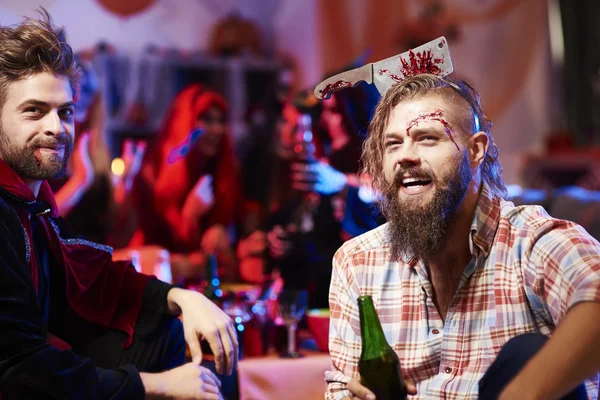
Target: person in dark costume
[73,323]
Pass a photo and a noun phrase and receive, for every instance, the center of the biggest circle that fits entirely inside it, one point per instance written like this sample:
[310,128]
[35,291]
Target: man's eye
[67,112]
[33,110]
[428,138]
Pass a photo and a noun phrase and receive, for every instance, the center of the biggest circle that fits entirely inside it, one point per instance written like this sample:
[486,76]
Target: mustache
[58,142]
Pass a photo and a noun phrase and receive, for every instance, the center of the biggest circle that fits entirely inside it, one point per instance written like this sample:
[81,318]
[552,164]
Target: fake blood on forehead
[437,115]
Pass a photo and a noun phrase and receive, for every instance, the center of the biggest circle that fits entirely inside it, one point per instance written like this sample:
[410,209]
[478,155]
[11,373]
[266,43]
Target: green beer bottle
[212,288]
[378,366]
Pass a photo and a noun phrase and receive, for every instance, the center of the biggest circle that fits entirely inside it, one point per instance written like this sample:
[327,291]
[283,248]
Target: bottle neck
[304,147]
[212,273]
[374,343]
[212,285]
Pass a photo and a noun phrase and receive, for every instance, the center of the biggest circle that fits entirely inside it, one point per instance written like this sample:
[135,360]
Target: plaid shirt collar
[485,222]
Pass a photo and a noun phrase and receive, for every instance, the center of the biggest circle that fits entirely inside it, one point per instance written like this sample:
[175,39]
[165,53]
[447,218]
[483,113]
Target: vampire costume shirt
[55,285]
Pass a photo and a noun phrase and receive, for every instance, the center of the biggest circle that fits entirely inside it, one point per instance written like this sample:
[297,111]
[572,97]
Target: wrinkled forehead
[458,110]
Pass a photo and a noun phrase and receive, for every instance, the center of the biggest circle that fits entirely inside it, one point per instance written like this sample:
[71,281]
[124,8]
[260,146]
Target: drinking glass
[292,305]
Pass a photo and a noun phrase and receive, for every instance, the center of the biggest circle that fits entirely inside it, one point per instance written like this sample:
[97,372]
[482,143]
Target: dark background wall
[581,25]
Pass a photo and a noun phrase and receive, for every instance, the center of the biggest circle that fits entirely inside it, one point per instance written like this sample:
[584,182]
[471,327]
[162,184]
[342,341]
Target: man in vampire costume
[73,323]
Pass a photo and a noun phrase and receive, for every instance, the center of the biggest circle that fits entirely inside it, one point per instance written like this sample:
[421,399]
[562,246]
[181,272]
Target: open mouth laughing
[415,185]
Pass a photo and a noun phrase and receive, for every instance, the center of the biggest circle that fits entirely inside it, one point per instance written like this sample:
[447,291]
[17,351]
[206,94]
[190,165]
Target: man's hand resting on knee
[202,319]
[190,381]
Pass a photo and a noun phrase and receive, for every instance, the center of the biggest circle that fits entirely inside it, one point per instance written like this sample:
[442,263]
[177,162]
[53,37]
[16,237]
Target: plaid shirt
[527,270]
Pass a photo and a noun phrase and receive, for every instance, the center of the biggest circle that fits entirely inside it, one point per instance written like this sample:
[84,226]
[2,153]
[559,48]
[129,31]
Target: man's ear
[477,146]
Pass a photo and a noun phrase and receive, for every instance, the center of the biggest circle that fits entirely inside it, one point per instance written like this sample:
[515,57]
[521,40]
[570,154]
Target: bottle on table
[212,288]
[378,366]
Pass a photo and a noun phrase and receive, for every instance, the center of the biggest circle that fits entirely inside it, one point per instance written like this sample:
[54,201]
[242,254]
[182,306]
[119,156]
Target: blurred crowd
[178,198]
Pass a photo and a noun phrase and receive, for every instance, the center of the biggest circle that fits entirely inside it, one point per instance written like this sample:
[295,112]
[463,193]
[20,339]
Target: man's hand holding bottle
[359,392]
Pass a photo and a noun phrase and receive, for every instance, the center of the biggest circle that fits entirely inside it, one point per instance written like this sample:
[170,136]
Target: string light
[117,166]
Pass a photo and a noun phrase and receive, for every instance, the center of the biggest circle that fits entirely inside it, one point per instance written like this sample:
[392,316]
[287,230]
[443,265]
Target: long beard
[422,230]
[28,166]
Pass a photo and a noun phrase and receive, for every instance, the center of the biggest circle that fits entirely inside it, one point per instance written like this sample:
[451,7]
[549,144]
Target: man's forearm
[570,356]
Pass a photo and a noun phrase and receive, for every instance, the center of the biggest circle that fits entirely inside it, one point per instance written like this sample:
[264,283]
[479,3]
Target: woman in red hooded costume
[187,193]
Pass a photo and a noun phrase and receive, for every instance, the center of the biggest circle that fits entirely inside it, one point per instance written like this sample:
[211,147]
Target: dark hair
[468,112]
[35,46]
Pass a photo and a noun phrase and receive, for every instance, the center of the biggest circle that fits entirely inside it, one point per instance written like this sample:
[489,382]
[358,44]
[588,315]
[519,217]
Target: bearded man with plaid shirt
[479,298]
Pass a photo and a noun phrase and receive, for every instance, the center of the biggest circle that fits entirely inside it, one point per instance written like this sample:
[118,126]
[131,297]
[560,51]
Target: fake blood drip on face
[437,115]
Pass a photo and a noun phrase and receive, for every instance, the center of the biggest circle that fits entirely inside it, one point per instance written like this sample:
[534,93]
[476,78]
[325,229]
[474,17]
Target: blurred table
[271,377]
[268,376]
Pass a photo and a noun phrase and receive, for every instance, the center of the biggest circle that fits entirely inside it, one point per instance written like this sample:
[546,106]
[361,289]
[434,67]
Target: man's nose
[53,125]
[408,155]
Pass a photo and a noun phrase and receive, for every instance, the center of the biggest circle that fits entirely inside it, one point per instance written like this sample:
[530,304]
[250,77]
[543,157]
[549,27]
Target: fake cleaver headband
[431,58]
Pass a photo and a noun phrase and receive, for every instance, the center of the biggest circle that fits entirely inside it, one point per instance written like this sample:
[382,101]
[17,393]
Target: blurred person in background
[187,195]
[307,203]
[333,183]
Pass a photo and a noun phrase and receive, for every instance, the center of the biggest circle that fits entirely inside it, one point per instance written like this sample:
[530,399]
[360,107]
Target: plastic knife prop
[432,58]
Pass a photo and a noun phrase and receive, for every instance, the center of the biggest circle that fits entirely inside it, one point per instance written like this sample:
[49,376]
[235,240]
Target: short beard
[24,162]
[422,231]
